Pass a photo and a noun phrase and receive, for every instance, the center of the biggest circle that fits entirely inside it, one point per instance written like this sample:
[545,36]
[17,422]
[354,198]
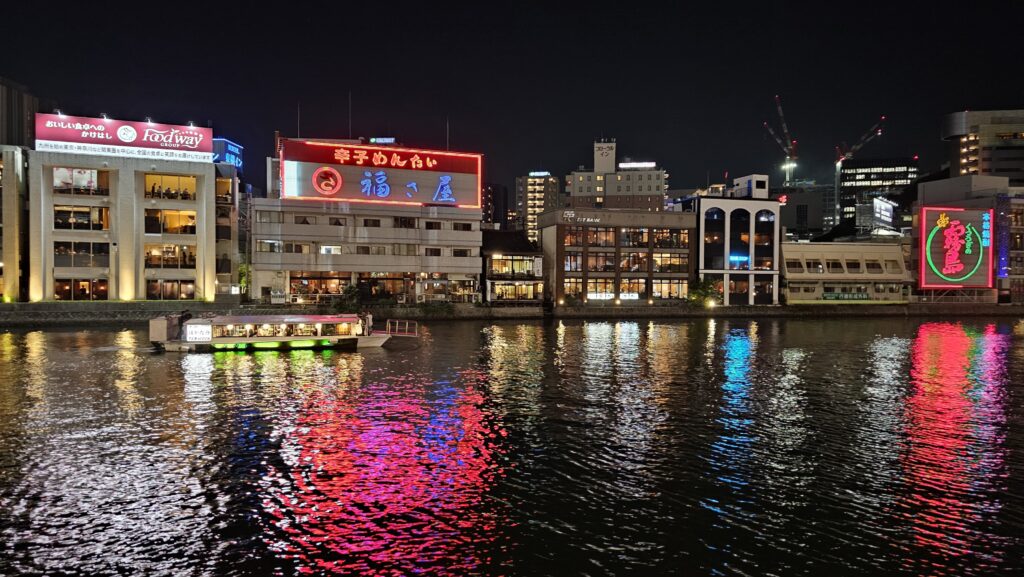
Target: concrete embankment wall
[113,313]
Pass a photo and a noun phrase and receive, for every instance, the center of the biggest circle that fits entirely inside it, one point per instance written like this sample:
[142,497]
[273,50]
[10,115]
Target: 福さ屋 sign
[956,248]
[110,137]
[313,170]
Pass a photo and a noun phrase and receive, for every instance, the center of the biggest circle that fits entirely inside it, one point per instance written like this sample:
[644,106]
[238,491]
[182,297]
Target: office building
[986,143]
[609,257]
[802,208]
[536,192]
[121,210]
[399,224]
[862,180]
[608,185]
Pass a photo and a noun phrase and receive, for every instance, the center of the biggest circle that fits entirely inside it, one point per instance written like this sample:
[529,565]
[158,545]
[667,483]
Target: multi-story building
[843,272]
[396,223]
[513,271]
[802,208]
[18,107]
[121,210]
[862,180]
[969,240]
[13,192]
[536,192]
[986,143]
[628,185]
[741,234]
[495,204]
[617,256]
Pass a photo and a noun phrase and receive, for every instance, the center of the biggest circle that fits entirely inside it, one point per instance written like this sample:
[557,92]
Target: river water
[711,447]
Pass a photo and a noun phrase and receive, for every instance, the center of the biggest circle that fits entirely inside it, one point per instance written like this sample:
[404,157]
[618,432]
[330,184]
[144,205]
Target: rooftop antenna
[350,115]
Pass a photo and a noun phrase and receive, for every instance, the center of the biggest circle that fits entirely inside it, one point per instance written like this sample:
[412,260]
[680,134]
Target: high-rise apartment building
[535,193]
[986,143]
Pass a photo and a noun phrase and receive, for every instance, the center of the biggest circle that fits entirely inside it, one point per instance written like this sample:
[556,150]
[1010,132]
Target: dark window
[432,252]
[404,222]
[371,222]
[432,225]
[462,226]
[461,252]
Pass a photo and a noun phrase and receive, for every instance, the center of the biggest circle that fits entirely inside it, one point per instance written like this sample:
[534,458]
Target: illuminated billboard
[956,248]
[312,170]
[110,137]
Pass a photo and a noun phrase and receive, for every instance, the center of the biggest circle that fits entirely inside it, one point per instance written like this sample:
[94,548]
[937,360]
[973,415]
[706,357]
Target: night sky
[531,85]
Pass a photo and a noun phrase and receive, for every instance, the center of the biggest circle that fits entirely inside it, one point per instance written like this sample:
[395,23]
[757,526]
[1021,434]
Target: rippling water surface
[715,447]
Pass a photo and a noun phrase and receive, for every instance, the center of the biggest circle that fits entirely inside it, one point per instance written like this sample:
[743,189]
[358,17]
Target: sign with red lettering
[314,170]
[110,137]
[956,248]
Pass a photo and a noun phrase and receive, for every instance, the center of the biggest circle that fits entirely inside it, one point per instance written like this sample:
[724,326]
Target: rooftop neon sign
[956,248]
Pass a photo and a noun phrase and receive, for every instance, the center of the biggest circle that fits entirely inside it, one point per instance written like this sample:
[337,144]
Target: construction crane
[788,145]
[844,153]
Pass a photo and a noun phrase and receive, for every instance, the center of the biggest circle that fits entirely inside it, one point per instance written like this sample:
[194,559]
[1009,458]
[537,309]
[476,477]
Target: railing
[401,328]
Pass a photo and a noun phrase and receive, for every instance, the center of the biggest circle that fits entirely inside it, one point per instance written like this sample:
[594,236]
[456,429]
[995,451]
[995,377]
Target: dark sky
[531,85]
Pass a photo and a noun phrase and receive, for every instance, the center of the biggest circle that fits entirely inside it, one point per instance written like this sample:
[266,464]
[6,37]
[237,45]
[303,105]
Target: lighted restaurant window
[81,254]
[80,289]
[671,238]
[600,236]
[633,288]
[668,289]
[634,262]
[601,262]
[170,289]
[165,221]
[574,236]
[671,262]
[81,218]
[572,287]
[170,186]
[573,262]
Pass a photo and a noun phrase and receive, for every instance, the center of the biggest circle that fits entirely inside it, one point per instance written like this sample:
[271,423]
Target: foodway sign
[110,137]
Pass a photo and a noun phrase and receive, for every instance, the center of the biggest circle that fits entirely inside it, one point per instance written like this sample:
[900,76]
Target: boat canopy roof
[274,320]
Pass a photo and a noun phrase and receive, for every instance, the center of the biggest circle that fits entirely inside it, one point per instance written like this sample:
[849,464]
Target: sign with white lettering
[313,170]
[198,333]
[109,137]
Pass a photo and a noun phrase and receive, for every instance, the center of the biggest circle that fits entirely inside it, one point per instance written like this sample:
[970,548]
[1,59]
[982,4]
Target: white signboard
[198,333]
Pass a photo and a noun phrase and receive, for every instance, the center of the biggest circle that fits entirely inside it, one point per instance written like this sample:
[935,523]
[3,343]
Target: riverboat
[272,332]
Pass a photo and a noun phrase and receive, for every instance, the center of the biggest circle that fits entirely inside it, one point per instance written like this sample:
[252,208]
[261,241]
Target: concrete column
[728,251]
[750,258]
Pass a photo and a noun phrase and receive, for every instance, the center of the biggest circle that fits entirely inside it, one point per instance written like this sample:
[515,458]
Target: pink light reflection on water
[392,480]
[954,458]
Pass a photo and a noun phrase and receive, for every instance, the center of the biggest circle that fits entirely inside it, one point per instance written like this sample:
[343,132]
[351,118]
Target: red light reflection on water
[391,480]
[954,457]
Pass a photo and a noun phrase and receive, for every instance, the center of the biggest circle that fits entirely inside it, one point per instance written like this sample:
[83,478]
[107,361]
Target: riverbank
[114,313]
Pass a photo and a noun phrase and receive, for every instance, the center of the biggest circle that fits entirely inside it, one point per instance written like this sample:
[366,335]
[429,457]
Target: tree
[349,301]
[705,291]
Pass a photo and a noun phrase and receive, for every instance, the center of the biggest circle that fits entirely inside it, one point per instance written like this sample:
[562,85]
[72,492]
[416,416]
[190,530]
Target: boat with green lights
[178,333]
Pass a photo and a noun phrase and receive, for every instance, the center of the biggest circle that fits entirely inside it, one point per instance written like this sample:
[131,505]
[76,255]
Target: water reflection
[389,479]
[713,447]
[954,460]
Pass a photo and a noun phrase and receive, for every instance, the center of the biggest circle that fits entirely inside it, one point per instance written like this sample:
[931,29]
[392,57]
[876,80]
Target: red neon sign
[327,181]
[956,248]
[315,170]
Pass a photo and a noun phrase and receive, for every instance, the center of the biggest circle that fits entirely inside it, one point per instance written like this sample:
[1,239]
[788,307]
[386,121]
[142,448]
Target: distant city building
[986,143]
[122,210]
[861,180]
[615,257]
[513,271]
[535,193]
[395,223]
[626,185]
[495,202]
[802,207]
[18,108]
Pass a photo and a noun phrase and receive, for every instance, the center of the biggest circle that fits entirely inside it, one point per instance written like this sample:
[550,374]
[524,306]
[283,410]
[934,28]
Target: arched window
[764,240]
[739,239]
[714,239]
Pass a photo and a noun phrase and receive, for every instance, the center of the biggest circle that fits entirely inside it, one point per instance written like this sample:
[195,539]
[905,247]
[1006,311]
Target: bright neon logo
[962,247]
[327,181]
